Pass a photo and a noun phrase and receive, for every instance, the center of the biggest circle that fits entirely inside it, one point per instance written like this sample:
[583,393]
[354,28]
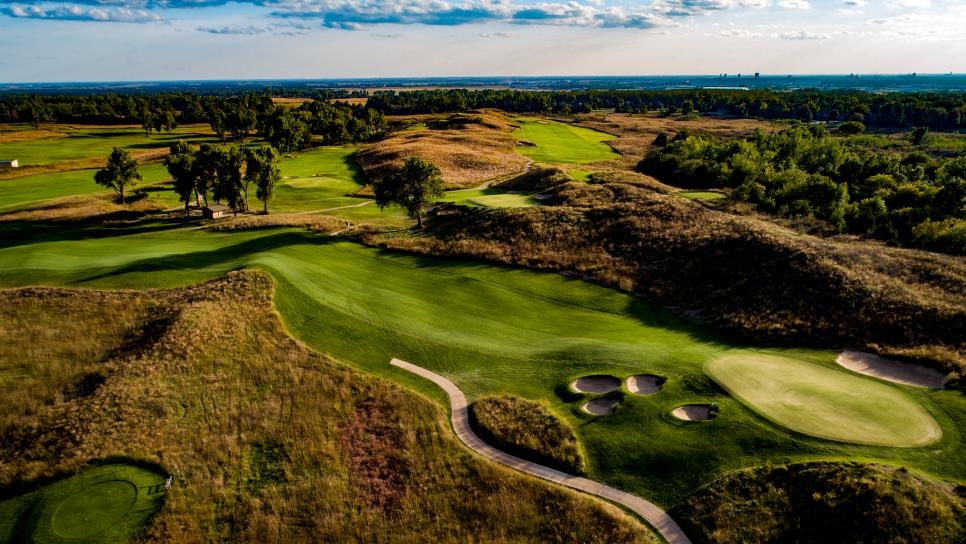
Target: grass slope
[555,142]
[268,442]
[823,402]
[17,192]
[493,331]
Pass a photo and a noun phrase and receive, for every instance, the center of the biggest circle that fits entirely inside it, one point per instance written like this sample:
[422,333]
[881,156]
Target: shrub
[526,429]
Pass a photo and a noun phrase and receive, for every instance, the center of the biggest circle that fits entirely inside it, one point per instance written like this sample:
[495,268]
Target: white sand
[871,364]
[600,407]
[693,412]
[596,384]
[644,384]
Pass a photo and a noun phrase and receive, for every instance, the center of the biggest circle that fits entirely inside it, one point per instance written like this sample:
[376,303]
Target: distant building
[215,211]
[7,165]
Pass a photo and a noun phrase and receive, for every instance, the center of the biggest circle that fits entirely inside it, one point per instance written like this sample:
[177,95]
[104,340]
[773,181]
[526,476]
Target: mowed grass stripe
[823,402]
[562,143]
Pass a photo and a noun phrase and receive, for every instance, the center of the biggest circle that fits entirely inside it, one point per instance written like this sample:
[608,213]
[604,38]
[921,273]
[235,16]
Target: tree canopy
[413,187]
[120,173]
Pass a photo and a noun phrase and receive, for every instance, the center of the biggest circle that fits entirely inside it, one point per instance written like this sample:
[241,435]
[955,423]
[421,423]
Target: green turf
[579,175]
[17,192]
[823,402]
[85,143]
[109,503]
[493,330]
[701,195]
[555,142]
[489,198]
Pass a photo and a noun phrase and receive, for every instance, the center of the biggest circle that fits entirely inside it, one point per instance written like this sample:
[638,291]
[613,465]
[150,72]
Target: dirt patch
[645,384]
[596,384]
[694,412]
[600,407]
[871,364]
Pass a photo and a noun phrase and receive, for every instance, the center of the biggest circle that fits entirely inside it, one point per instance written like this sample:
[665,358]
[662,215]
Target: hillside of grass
[266,440]
[527,429]
[817,503]
[469,149]
[740,274]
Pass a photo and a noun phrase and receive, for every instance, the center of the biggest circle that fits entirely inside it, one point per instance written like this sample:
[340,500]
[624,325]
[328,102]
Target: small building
[215,211]
[7,165]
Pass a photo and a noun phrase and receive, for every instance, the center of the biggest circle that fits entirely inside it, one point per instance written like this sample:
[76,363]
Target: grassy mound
[467,153]
[528,430]
[554,142]
[823,502]
[823,402]
[110,503]
[267,440]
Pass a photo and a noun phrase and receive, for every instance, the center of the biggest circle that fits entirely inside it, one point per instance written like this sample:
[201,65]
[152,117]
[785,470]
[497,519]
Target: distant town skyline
[119,40]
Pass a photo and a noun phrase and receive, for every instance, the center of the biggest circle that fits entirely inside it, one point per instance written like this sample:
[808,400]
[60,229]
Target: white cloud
[795,4]
[803,35]
[738,33]
[74,12]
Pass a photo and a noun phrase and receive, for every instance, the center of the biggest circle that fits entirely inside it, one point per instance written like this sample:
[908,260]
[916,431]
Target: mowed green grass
[109,503]
[701,195]
[84,143]
[492,330]
[489,198]
[823,402]
[563,143]
[17,192]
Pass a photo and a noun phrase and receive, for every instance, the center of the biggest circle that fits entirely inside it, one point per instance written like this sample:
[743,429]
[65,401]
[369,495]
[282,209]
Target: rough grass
[468,154]
[267,440]
[819,401]
[528,430]
[100,207]
[18,192]
[817,503]
[314,223]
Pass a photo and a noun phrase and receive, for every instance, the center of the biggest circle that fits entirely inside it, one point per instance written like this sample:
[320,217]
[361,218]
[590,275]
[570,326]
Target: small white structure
[215,211]
[7,165]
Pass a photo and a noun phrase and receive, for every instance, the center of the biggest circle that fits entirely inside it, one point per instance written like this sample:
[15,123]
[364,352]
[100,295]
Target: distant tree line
[803,171]
[938,111]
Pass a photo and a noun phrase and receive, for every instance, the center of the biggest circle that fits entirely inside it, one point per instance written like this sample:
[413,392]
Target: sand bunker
[871,364]
[600,407]
[644,384]
[693,412]
[596,384]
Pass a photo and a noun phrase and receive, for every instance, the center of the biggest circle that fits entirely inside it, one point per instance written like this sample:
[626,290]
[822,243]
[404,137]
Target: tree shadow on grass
[25,233]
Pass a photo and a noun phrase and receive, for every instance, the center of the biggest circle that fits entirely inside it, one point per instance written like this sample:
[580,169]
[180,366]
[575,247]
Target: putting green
[823,402]
[555,142]
[110,503]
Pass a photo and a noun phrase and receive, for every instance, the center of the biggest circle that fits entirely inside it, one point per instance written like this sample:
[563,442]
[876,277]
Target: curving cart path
[658,518]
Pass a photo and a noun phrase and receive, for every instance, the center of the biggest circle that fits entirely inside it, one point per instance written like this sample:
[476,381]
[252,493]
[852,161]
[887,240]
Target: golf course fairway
[109,503]
[555,142]
[823,402]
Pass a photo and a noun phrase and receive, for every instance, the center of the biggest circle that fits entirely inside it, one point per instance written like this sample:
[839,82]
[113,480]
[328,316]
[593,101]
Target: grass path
[555,142]
[459,415]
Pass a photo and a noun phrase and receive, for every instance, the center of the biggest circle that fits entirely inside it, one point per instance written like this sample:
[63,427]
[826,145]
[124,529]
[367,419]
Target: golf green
[554,142]
[824,402]
[109,503]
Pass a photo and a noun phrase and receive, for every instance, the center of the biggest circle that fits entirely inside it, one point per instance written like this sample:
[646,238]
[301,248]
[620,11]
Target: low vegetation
[469,152]
[528,430]
[815,503]
[266,440]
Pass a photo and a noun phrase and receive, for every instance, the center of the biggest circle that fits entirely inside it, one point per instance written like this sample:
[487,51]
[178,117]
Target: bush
[851,127]
[822,502]
[528,430]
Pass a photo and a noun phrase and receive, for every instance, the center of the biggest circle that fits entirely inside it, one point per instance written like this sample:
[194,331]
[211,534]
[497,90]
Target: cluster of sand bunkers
[638,384]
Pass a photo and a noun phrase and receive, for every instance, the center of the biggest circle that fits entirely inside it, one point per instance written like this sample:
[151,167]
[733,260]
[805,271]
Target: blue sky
[98,40]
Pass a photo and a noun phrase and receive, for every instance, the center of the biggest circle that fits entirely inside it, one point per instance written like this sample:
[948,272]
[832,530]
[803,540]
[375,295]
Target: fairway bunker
[694,412]
[871,364]
[597,384]
[600,407]
[645,384]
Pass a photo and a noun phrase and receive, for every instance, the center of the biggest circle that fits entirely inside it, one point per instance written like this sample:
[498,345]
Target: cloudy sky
[110,40]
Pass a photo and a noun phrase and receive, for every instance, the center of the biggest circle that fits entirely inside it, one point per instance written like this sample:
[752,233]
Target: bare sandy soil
[600,407]
[596,384]
[644,384]
[693,412]
[871,364]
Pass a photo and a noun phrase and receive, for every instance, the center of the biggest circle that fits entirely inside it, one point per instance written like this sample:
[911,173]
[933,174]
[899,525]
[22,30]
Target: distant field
[555,142]
[83,143]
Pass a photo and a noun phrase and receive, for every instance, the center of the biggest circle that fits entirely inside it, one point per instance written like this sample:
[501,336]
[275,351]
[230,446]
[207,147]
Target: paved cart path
[658,518]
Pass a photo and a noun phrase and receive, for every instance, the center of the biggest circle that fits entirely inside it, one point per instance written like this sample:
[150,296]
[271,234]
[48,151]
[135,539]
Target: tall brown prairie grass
[267,441]
[82,208]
